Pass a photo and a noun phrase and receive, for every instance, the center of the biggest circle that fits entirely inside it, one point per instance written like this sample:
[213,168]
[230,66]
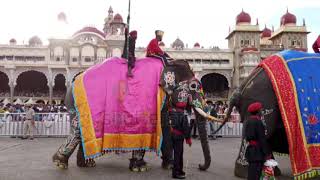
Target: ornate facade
[220,70]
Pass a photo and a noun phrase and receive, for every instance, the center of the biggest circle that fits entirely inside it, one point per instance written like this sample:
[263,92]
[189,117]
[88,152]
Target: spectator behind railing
[14,112]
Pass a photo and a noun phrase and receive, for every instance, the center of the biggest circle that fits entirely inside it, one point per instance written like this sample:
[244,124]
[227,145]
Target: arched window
[58,53]
[74,54]
[87,53]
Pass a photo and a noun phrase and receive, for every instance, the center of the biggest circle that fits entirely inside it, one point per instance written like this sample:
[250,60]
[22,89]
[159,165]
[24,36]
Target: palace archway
[59,89]
[32,84]
[4,85]
[215,86]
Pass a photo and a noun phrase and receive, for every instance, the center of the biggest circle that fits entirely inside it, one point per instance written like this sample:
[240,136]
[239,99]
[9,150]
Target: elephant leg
[81,162]
[241,164]
[137,163]
[61,157]
[166,147]
[204,143]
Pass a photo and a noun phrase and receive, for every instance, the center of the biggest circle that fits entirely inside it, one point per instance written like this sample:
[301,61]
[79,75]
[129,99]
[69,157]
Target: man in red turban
[316,45]
[153,49]
[257,151]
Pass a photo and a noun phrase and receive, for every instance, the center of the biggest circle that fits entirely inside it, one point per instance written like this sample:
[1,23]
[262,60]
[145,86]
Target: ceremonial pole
[128,30]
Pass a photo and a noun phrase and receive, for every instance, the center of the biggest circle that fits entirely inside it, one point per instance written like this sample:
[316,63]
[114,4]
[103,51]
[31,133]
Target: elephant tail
[234,101]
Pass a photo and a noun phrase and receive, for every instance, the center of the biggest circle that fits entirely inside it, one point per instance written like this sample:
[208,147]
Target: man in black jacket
[257,151]
[133,35]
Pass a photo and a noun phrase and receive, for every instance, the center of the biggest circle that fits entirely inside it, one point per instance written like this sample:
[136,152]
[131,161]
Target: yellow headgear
[159,33]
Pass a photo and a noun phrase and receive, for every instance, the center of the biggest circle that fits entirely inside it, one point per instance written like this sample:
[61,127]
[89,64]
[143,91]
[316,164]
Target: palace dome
[178,44]
[62,17]
[90,30]
[117,19]
[288,18]
[243,17]
[196,45]
[13,41]
[266,32]
[35,41]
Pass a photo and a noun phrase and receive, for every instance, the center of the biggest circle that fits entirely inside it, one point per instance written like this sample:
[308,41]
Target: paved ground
[25,159]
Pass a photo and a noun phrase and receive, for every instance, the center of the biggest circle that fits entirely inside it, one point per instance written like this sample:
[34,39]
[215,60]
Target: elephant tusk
[211,118]
[205,115]
[202,113]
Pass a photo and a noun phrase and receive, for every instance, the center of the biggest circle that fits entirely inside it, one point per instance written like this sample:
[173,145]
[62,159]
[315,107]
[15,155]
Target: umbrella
[6,101]
[18,101]
[30,101]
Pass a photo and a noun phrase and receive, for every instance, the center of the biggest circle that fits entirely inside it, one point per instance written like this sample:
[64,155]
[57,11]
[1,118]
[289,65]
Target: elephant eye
[193,86]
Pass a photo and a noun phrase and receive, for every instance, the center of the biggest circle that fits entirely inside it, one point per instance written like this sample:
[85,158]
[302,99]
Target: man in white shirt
[28,124]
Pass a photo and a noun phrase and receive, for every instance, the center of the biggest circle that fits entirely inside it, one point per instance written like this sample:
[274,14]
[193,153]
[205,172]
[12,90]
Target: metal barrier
[59,125]
[233,128]
[46,124]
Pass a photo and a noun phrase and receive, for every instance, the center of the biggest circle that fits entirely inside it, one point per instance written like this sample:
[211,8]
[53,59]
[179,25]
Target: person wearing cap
[29,122]
[257,151]
[153,49]
[133,35]
[180,130]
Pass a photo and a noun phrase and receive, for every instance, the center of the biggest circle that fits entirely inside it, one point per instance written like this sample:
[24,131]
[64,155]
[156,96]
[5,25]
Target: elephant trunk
[201,122]
[234,101]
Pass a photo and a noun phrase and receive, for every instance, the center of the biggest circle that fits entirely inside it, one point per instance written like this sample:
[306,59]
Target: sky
[203,21]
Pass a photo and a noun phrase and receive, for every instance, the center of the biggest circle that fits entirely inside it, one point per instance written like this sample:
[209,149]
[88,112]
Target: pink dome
[89,29]
[196,45]
[288,18]
[13,40]
[35,41]
[62,17]
[266,33]
[243,17]
[118,18]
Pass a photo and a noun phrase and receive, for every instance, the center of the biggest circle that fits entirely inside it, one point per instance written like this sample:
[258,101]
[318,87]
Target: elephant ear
[196,93]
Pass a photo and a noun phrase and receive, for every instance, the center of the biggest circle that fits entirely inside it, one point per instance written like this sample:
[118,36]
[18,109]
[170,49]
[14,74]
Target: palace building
[44,72]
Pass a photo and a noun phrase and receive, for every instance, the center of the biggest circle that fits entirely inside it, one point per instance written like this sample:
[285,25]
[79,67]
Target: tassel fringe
[107,151]
[308,175]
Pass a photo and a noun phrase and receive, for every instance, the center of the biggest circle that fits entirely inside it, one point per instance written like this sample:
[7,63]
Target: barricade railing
[46,124]
[59,125]
[233,128]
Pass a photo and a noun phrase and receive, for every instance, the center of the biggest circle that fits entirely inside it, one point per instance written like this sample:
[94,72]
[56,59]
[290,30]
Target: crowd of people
[12,112]
[35,94]
[218,110]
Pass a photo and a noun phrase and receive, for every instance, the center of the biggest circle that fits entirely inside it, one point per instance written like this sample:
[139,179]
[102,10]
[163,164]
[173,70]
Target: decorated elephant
[113,112]
[288,86]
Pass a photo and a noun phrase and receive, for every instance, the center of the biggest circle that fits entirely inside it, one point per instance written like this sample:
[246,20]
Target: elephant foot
[166,165]
[138,165]
[81,162]
[87,164]
[241,170]
[277,171]
[60,160]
